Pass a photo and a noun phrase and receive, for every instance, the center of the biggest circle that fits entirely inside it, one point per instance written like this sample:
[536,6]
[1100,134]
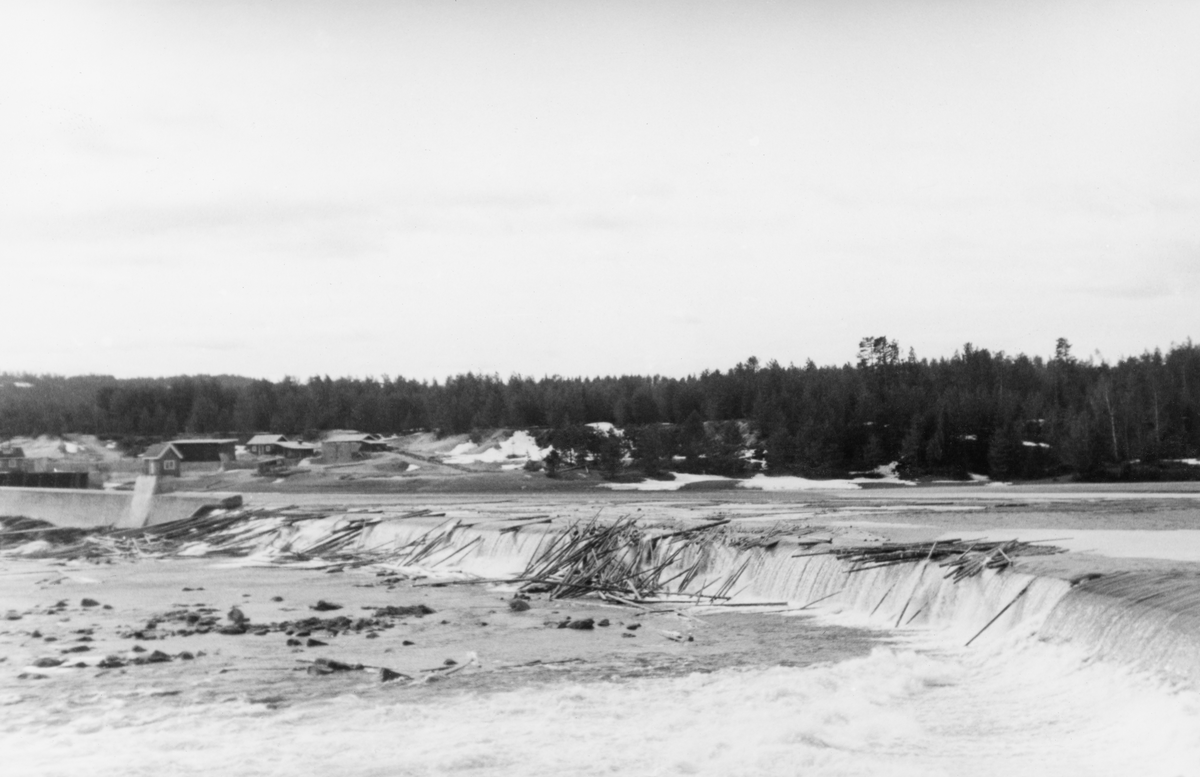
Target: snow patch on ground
[1193,462]
[520,445]
[793,483]
[681,480]
[885,473]
[604,427]
[1031,444]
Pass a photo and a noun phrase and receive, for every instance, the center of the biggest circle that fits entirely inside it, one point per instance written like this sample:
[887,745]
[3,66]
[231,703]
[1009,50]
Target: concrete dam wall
[86,508]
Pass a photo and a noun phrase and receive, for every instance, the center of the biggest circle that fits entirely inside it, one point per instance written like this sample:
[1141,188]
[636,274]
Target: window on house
[169,464]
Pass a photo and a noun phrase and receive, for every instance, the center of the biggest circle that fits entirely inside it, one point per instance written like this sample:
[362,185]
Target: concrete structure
[91,508]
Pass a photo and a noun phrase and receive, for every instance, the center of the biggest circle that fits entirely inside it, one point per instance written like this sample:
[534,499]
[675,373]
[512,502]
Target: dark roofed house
[265,444]
[347,447]
[162,459]
[12,458]
[168,458]
[198,450]
[297,450]
[278,445]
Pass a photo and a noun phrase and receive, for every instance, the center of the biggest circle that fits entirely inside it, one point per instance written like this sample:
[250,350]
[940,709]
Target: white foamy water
[1037,694]
[1031,709]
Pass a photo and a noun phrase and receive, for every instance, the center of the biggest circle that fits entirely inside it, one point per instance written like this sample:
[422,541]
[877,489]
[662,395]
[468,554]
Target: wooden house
[265,444]
[297,450]
[207,450]
[278,445]
[162,459]
[12,459]
[169,458]
[348,447]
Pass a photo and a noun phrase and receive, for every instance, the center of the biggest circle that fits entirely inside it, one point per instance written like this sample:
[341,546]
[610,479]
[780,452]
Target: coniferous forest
[1011,417]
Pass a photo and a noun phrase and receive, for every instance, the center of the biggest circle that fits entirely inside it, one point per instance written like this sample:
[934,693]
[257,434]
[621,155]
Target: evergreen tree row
[977,411]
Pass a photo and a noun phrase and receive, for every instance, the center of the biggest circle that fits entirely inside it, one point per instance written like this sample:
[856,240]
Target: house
[12,459]
[206,450]
[168,458]
[265,444]
[162,459]
[297,450]
[347,447]
[278,445]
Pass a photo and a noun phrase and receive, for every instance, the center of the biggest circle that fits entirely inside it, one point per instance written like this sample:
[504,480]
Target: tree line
[974,412]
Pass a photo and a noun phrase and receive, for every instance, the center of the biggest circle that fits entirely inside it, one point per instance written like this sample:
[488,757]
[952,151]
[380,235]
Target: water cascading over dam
[1146,620]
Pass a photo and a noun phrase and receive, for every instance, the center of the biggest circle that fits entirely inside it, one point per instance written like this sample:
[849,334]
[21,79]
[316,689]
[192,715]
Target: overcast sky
[421,189]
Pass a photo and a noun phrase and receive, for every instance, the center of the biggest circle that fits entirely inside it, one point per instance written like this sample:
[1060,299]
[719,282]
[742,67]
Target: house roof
[350,438]
[160,450]
[206,441]
[297,446]
[266,439]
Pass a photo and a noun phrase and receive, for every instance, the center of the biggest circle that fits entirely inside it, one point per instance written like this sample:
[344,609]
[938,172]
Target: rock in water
[323,606]
[89,603]
[237,616]
[583,625]
[337,666]
[411,611]
[387,675]
[518,605]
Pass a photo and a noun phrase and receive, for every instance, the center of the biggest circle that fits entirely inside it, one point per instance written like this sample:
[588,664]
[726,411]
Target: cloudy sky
[427,188]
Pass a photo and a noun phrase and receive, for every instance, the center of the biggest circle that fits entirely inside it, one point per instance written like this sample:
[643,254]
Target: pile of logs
[962,558]
[241,532]
[619,561]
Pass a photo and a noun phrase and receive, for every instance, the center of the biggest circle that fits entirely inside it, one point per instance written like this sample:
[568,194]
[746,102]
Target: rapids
[1097,678]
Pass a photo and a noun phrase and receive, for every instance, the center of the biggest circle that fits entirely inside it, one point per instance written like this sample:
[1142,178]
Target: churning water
[1066,682]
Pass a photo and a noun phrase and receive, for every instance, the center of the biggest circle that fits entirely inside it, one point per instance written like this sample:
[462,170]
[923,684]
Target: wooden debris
[962,558]
[620,561]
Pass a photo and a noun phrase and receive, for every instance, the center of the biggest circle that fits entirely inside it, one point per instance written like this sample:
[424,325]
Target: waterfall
[1148,620]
